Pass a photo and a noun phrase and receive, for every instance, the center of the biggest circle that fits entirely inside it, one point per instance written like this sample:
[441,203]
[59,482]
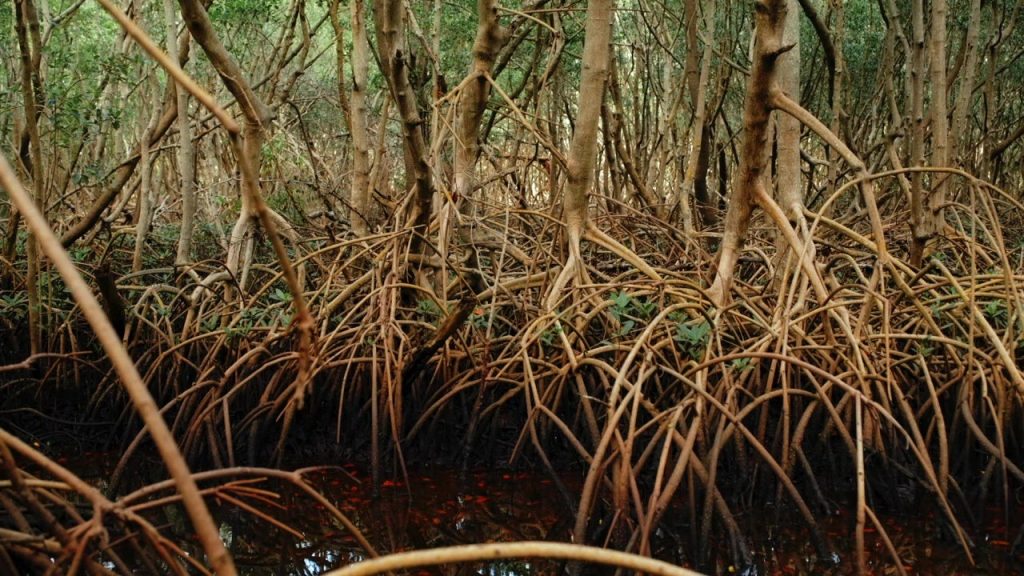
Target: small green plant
[547,337]
[249,319]
[645,308]
[740,365]
[997,313]
[14,306]
[80,253]
[478,319]
[628,310]
[428,309]
[693,339]
[925,348]
[210,324]
[281,296]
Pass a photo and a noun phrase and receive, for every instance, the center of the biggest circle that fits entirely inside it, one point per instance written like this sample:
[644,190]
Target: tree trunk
[940,123]
[257,119]
[964,97]
[25,16]
[394,58]
[144,202]
[490,37]
[583,149]
[748,183]
[698,155]
[186,150]
[918,220]
[360,196]
[789,191]
[339,53]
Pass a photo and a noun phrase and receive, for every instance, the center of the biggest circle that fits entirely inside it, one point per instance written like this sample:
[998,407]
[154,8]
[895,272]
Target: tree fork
[770,18]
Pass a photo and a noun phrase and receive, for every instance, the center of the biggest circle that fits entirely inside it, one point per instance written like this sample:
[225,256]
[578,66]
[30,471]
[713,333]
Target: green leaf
[626,328]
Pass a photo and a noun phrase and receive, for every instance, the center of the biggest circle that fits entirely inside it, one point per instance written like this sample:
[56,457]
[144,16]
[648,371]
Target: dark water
[438,508]
[435,509]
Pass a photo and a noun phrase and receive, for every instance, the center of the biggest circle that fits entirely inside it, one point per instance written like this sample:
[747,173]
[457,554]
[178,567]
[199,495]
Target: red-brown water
[437,508]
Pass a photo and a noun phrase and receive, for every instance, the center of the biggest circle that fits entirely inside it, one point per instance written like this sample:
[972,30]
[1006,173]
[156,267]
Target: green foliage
[740,365]
[209,324]
[284,298]
[547,337]
[243,10]
[80,252]
[997,313]
[629,310]
[692,338]
[249,319]
[14,305]
[479,319]
[428,309]
[924,347]
[272,148]
[287,204]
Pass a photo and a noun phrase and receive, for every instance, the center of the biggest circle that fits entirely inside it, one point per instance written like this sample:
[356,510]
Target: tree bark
[360,195]
[697,158]
[257,119]
[789,192]
[144,201]
[965,97]
[935,221]
[490,37]
[748,184]
[339,52]
[918,224]
[583,148]
[390,25]
[25,16]
[186,150]
[838,91]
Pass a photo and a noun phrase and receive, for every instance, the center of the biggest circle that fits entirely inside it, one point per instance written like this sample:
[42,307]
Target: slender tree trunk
[339,53]
[257,119]
[698,132]
[490,37]
[789,191]
[919,231]
[390,23]
[940,123]
[24,16]
[838,92]
[965,97]
[437,134]
[186,150]
[144,202]
[583,149]
[360,195]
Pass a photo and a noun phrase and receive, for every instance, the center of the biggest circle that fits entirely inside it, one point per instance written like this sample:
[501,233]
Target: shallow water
[438,508]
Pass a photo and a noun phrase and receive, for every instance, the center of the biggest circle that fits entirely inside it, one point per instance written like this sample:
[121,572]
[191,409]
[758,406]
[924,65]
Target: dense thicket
[707,253]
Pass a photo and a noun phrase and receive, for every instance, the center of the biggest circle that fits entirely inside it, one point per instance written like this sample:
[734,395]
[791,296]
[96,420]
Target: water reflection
[436,509]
